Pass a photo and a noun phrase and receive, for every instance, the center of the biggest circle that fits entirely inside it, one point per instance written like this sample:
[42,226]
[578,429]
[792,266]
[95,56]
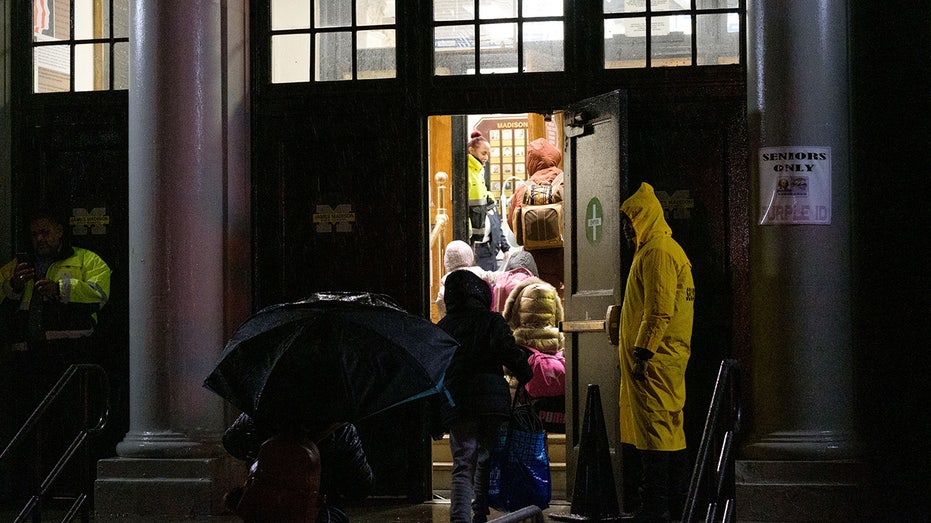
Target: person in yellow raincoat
[654,347]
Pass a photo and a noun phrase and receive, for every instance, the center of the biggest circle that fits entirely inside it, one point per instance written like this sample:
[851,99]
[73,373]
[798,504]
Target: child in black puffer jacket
[479,391]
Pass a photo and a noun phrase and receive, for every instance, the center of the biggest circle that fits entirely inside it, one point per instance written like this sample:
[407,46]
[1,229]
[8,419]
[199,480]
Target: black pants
[656,483]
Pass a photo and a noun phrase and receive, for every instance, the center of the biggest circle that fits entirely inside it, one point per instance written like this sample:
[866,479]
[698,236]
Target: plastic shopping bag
[520,468]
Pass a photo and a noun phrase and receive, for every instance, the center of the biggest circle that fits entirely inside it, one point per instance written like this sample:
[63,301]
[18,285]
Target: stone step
[442,478]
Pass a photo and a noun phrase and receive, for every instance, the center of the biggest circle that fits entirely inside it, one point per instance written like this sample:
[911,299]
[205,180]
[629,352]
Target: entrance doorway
[592,138]
[508,136]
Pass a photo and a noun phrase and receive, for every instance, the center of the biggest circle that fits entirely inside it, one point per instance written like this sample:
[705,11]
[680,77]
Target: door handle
[613,323]
[610,325]
[582,326]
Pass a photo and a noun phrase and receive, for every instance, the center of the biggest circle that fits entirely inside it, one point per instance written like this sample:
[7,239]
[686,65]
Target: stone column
[6,191]
[802,418]
[186,195]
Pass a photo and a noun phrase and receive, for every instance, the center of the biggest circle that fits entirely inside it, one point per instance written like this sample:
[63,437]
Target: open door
[596,184]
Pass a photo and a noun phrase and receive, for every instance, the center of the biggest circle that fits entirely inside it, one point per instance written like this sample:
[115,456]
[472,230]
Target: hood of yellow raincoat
[646,214]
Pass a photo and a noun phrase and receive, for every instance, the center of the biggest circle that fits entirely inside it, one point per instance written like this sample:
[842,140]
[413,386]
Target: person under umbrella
[298,472]
[479,391]
[331,357]
[302,373]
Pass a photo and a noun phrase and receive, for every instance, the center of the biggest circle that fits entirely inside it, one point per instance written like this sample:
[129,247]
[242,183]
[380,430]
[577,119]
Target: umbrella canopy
[331,357]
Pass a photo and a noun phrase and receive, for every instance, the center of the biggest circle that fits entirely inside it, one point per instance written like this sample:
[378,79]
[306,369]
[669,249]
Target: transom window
[331,40]
[80,45]
[83,45]
[671,33]
[497,36]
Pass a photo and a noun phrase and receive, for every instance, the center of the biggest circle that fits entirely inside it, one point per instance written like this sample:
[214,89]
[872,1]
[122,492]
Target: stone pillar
[6,191]
[802,415]
[188,204]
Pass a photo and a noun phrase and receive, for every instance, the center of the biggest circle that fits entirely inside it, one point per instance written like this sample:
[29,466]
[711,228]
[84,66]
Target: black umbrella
[331,357]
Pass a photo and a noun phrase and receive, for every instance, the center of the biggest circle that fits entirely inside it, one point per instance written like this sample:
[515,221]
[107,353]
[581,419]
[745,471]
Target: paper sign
[795,185]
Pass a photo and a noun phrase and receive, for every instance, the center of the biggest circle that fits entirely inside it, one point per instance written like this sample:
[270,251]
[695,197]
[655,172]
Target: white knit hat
[458,255]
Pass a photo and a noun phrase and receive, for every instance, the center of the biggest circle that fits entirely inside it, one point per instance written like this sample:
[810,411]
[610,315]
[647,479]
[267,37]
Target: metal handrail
[436,234]
[438,229]
[531,514]
[80,441]
[712,478]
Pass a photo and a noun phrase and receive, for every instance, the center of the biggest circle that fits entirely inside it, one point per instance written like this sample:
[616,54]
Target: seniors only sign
[795,185]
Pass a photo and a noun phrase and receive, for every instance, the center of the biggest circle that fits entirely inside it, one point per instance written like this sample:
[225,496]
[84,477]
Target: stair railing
[437,236]
[84,372]
[713,476]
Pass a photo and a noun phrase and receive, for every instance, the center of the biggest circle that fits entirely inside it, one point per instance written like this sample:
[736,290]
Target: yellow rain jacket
[656,315]
[84,281]
[478,199]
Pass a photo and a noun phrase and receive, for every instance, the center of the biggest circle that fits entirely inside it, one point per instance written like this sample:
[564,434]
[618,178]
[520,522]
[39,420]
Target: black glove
[641,363]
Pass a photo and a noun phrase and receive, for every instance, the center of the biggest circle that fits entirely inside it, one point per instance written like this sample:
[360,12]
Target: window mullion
[520,36]
[649,34]
[72,46]
[478,37]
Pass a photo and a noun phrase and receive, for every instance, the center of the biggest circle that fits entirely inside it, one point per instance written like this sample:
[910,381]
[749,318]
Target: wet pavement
[429,512]
[373,511]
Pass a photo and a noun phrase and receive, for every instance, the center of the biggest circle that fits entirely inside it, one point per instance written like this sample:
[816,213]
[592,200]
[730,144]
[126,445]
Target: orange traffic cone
[593,496]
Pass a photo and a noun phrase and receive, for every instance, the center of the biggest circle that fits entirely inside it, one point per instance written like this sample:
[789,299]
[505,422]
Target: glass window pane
[454,50]
[375,12]
[376,54]
[333,56]
[625,6]
[498,48]
[51,19]
[716,4]
[670,5]
[333,13]
[52,68]
[121,18]
[663,25]
[498,35]
[121,65]
[543,47]
[290,58]
[90,67]
[669,48]
[454,37]
[542,8]
[497,9]
[446,10]
[91,19]
[625,43]
[716,43]
[290,14]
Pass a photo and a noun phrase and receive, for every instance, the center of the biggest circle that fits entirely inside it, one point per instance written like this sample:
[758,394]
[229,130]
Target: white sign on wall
[795,185]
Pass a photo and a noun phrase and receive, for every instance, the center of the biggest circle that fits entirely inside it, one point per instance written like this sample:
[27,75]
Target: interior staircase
[556,451]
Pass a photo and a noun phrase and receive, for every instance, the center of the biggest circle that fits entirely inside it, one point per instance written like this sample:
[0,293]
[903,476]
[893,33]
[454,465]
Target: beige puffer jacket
[534,310]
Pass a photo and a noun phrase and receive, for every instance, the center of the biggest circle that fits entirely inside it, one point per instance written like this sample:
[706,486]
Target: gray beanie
[458,255]
[523,259]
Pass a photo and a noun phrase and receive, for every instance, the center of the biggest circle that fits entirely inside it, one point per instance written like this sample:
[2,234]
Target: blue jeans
[470,442]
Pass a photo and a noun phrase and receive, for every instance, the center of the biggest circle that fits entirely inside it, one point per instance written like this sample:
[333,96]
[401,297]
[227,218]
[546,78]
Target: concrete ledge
[797,491]
[149,490]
